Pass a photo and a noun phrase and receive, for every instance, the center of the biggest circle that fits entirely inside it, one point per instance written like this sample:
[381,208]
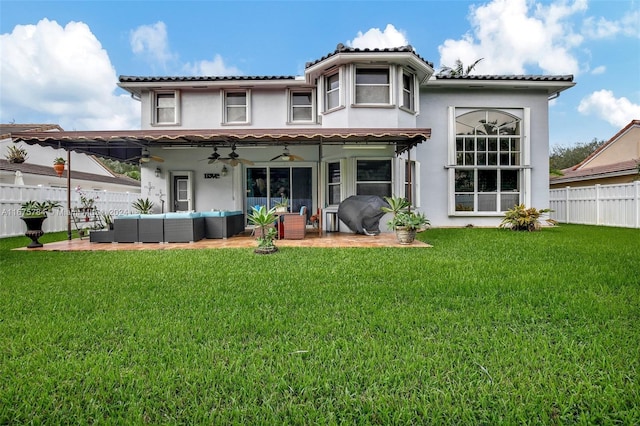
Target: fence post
[597,186]
[566,204]
[636,185]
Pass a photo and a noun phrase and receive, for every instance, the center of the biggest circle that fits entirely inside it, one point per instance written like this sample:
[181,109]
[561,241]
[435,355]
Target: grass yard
[487,327]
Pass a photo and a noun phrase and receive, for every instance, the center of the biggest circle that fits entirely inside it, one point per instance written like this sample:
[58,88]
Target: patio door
[181,191]
[267,186]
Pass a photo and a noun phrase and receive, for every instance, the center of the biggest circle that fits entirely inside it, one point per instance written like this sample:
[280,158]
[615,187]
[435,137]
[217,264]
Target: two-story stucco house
[464,149]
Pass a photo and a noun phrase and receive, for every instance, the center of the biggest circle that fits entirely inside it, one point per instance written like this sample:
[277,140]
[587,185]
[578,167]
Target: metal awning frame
[125,145]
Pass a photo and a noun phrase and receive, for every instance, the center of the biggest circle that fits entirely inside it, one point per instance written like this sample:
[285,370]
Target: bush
[520,218]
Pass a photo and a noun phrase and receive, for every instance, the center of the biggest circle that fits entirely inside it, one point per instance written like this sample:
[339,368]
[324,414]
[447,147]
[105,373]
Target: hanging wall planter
[58,165]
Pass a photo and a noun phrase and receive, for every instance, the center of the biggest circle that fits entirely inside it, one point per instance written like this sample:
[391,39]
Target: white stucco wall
[432,154]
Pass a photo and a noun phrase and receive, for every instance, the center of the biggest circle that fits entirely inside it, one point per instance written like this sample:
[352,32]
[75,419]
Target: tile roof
[515,77]
[170,79]
[7,129]
[341,48]
[623,168]
[36,169]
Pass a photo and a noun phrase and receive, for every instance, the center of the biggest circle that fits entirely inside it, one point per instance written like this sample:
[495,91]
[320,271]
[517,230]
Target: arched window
[488,165]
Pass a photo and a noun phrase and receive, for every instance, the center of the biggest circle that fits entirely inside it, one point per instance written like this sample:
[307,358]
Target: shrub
[520,218]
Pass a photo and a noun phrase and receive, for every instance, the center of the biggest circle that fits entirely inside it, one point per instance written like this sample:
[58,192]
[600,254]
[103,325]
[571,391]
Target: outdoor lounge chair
[295,225]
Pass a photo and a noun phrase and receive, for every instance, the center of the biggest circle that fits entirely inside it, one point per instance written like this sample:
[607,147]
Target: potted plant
[405,222]
[143,206]
[263,220]
[520,218]
[282,205]
[58,165]
[33,213]
[16,154]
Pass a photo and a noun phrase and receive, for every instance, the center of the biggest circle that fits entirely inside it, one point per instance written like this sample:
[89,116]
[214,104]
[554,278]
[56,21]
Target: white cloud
[601,28]
[151,41]
[217,67]
[599,70]
[513,34]
[617,111]
[61,75]
[374,38]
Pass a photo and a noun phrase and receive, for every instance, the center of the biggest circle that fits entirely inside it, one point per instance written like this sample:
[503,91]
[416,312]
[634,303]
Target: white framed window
[488,171]
[166,107]
[332,91]
[334,181]
[372,86]
[301,106]
[373,177]
[412,182]
[237,107]
[408,100]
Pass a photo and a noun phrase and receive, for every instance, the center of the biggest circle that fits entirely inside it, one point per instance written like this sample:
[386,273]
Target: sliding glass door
[267,186]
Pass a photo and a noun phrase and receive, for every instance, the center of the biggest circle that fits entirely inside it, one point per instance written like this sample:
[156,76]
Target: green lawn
[487,327]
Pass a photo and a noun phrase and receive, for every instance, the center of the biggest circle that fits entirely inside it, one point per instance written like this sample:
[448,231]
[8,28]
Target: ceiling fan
[286,156]
[234,159]
[145,157]
[214,157]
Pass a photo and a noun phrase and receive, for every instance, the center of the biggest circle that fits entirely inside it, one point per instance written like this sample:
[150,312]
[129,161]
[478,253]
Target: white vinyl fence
[12,197]
[606,205]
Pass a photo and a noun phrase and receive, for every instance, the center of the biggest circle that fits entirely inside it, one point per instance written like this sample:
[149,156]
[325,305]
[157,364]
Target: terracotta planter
[59,168]
[34,229]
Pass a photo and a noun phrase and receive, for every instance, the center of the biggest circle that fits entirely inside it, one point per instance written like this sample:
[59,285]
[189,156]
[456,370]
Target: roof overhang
[124,145]
[552,85]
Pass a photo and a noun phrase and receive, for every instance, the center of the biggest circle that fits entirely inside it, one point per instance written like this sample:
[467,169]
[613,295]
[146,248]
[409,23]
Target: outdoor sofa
[175,227]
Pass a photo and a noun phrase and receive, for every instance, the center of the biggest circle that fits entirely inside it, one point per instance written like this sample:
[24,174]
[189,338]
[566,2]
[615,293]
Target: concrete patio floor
[312,239]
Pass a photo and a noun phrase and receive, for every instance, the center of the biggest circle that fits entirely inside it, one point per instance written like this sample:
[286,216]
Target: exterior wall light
[158,172]
[224,171]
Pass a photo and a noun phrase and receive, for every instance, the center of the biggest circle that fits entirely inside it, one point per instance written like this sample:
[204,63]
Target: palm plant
[459,69]
[143,206]
[263,220]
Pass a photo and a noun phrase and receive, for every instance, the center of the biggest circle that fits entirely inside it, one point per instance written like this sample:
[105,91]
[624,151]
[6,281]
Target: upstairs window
[332,92]
[408,91]
[165,107]
[301,106]
[372,86]
[236,107]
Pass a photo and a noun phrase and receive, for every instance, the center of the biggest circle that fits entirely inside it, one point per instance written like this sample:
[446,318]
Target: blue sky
[61,60]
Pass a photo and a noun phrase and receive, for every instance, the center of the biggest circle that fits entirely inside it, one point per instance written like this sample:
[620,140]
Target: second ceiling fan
[287,156]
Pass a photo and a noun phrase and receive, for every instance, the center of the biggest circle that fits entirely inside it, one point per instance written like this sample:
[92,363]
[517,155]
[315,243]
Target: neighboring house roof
[611,170]
[37,169]
[582,171]
[7,129]
[604,146]
[123,145]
